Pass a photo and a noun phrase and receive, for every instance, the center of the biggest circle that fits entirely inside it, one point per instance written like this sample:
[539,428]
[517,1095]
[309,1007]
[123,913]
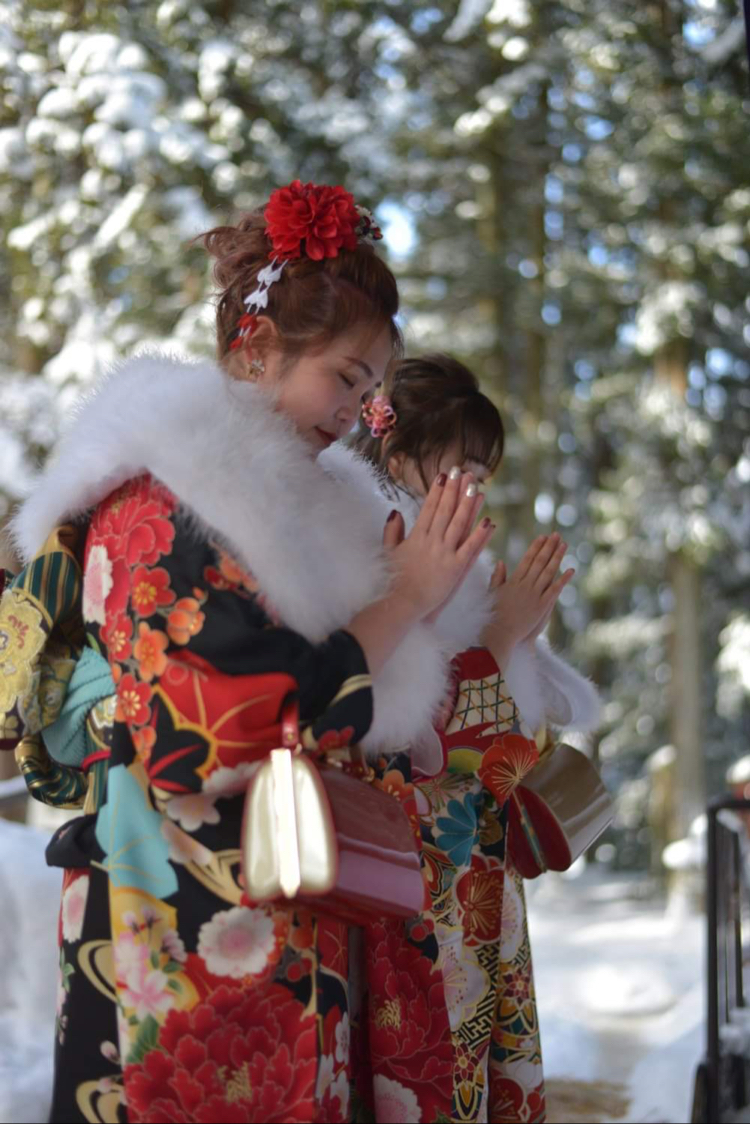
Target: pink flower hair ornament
[379,416]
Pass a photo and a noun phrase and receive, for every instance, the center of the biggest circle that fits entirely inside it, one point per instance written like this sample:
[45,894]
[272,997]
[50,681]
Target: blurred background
[563,186]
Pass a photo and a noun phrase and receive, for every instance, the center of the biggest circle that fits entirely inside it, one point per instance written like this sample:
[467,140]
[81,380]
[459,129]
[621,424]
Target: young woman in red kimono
[507,688]
[227,559]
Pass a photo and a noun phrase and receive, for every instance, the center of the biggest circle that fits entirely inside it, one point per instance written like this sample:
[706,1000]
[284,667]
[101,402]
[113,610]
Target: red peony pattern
[135,529]
[409,1032]
[238,1056]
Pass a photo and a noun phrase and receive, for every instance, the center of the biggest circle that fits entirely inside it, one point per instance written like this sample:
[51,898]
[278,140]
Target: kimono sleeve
[485,730]
[200,663]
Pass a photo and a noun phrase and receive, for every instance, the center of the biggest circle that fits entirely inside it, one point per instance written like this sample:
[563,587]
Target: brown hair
[313,302]
[437,401]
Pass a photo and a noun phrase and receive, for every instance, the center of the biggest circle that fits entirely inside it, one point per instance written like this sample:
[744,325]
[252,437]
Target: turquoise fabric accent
[66,739]
[129,832]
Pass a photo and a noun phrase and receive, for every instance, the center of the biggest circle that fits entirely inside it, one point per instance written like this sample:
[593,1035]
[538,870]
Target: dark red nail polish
[392,516]
[486,523]
[441,480]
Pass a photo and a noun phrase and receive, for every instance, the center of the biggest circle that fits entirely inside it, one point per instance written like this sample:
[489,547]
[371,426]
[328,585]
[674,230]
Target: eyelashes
[351,383]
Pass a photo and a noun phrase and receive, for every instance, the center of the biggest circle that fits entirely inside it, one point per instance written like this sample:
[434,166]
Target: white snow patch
[60,102]
[733,666]
[620,989]
[28,982]
[121,217]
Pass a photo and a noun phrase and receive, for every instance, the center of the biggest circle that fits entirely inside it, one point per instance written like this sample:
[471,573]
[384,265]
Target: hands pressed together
[525,600]
[433,559]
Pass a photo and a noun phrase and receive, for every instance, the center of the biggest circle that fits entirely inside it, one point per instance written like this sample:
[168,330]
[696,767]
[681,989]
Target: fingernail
[487,523]
[392,516]
[471,491]
[441,480]
[454,473]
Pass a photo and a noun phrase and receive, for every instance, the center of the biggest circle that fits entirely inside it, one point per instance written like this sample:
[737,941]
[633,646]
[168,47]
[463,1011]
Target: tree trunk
[536,338]
[689,794]
[670,369]
[685,701]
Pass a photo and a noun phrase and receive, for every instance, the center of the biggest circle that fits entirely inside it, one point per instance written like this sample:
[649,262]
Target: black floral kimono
[178,999]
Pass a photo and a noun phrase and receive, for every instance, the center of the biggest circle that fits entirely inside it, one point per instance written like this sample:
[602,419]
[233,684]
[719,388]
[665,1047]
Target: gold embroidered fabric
[23,634]
[41,635]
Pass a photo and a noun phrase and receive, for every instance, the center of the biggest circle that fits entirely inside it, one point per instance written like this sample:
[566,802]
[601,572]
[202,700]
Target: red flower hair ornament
[305,220]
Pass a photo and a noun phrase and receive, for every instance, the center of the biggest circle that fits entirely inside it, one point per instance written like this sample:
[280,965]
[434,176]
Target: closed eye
[349,382]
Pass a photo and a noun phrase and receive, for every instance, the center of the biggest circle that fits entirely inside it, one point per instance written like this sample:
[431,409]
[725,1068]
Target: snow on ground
[30,896]
[621,994]
[620,985]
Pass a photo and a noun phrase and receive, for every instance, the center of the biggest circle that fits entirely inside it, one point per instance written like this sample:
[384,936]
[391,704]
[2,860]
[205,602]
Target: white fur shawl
[310,531]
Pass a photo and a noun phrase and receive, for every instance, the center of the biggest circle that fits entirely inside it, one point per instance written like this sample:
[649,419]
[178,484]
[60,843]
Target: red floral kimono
[478,904]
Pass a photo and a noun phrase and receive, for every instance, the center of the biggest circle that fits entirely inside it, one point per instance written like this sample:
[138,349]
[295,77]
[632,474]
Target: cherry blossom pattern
[238,942]
[150,590]
[185,620]
[73,906]
[133,700]
[193,810]
[97,583]
[394,1102]
[150,652]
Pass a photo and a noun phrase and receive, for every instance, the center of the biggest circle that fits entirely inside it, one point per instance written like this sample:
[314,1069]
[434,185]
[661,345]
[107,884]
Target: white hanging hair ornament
[256,301]
[310,220]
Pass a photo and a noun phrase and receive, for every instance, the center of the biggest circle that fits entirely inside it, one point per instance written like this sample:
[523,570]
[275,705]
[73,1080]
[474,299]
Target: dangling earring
[255,369]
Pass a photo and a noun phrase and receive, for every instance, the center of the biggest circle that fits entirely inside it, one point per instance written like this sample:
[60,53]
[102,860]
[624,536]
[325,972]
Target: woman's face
[406,471]
[323,392]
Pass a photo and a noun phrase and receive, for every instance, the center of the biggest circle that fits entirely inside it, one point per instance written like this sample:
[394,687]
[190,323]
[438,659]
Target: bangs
[340,308]
[479,430]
